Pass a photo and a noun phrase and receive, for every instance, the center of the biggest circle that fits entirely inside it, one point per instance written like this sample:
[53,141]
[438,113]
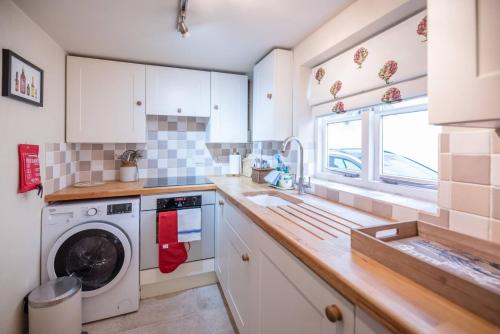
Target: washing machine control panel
[121,208]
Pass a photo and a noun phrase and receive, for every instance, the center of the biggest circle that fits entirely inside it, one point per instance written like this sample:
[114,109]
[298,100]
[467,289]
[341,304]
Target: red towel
[171,253]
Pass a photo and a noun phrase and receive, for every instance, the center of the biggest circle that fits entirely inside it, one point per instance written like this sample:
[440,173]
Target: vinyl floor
[199,311]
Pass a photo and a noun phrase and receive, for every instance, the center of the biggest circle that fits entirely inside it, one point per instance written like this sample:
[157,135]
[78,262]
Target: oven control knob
[92,212]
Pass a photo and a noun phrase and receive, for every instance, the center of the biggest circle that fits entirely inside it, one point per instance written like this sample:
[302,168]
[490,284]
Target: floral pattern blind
[381,63]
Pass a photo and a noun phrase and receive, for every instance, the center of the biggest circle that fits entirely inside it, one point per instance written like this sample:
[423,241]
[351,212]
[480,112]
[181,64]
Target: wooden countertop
[395,301]
[119,189]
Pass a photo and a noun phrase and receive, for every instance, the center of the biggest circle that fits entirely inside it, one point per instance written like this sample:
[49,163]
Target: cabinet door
[229,116]
[220,241]
[291,299]
[105,101]
[272,97]
[464,62]
[263,88]
[238,285]
[177,92]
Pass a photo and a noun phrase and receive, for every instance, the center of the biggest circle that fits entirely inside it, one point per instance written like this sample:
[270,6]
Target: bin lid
[54,291]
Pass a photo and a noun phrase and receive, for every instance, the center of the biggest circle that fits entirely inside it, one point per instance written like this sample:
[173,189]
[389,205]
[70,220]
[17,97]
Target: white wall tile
[346,198]
[470,142]
[470,224]
[495,169]
[444,194]
[402,214]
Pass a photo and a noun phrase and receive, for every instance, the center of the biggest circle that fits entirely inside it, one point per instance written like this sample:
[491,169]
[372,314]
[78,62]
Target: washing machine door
[96,252]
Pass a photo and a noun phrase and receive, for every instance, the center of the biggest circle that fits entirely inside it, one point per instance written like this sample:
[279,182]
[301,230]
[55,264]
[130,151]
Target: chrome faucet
[284,146]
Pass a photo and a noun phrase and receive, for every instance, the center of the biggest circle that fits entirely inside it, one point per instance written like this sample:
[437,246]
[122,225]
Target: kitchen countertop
[119,189]
[395,301]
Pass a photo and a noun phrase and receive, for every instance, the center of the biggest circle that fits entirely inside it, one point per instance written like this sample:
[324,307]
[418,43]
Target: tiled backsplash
[176,146]
[61,161]
[469,186]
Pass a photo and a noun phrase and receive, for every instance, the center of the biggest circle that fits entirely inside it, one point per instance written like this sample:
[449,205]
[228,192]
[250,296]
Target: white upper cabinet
[229,103]
[177,92]
[105,101]
[464,62]
[272,97]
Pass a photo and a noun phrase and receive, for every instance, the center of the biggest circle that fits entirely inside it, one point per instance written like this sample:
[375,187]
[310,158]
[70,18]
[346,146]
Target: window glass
[409,146]
[344,145]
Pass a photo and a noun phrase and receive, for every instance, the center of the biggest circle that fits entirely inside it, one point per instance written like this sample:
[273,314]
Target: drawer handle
[216,107]
[179,110]
[269,96]
[221,202]
[139,103]
[245,257]
[333,313]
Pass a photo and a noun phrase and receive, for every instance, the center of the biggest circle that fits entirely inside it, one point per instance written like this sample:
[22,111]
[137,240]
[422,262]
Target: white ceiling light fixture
[181,19]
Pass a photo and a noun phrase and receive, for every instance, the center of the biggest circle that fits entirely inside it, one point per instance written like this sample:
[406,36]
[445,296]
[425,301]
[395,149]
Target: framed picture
[21,80]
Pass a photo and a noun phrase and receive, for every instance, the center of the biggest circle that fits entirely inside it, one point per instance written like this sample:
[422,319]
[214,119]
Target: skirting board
[186,276]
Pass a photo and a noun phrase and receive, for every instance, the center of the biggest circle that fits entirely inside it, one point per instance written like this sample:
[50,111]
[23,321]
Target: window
[389,147]
[344,142]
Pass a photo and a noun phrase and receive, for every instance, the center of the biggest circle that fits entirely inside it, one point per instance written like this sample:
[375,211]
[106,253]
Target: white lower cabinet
[269,291]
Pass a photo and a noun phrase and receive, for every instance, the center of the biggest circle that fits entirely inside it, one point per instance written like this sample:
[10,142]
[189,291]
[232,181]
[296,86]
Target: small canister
[46,304]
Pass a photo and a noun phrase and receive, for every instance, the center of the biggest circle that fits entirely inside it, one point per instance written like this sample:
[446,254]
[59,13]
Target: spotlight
[181,19]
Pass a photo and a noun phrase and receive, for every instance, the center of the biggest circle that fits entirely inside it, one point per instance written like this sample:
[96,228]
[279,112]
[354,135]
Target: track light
[181,19]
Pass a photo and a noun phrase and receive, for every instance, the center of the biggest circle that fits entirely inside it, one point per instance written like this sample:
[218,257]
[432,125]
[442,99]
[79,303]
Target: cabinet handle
[221,202]
[179,110]
[245,257]
[333,313]
[216,107]
[269,96]
[139,103]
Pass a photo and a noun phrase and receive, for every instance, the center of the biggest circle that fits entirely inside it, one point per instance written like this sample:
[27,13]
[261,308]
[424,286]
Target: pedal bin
[55,307]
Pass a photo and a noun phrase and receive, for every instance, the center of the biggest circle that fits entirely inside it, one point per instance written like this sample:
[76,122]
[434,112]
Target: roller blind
[386,68]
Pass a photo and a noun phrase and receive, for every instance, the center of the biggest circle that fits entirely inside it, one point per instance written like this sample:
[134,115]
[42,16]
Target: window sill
[325,188]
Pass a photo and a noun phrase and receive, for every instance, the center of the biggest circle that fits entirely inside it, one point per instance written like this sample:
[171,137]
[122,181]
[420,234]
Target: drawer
[240,223]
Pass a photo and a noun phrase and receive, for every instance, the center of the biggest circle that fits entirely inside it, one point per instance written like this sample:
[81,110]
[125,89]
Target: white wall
[23,123]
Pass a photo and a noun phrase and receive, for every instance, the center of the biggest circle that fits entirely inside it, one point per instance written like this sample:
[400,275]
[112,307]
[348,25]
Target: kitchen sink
[271,198]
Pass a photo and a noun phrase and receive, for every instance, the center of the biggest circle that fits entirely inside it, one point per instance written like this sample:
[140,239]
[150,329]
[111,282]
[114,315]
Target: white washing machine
[98,242]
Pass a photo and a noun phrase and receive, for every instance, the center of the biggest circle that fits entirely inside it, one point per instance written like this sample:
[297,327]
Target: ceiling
[226,35]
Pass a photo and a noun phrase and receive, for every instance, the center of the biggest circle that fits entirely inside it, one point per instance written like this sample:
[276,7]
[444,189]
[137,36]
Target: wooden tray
[463,269]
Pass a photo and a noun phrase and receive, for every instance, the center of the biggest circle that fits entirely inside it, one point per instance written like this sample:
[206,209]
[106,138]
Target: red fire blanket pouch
[29,169]
[171,253]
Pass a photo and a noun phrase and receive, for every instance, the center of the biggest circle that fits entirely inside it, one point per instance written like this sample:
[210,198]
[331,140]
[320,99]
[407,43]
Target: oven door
[97,252]
[200,250]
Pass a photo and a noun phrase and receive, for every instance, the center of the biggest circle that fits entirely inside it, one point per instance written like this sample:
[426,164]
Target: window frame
[371,145]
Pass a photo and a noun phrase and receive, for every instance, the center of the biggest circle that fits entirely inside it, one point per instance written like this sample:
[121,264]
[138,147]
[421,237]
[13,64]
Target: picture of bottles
[25,80]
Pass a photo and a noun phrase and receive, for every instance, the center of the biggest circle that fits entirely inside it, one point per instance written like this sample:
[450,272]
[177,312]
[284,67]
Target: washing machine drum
[98,253]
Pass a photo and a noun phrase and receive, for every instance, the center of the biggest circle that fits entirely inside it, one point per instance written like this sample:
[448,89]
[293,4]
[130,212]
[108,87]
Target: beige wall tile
[363,203]
[444,194]
[442,219]
[346,198]
[477,142]
[444,142]
[382,209]
[332,195]
[473,225]
[470,198]
[495,230]
[495,202]
[495,141]
[471,169]
[444,166]
[402,214]
[495,169]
